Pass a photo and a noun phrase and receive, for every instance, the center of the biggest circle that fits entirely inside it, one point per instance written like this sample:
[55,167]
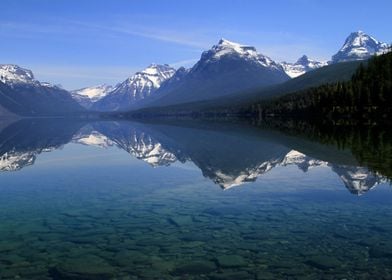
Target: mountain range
[22,94]
[228,69]
[301,66]
[136,88]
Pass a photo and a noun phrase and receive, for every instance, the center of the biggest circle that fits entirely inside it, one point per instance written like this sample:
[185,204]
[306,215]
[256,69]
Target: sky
[80,43]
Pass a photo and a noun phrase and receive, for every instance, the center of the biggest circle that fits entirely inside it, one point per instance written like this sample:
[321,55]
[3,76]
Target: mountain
[22,94]
[303,65]
[224,69]
[89,95]
[231,103]
[14,75]
[306,73]
[359,46]
[136,88]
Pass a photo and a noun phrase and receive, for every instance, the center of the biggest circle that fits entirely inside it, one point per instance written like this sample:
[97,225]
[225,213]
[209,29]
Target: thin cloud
[150,33]
[75,27]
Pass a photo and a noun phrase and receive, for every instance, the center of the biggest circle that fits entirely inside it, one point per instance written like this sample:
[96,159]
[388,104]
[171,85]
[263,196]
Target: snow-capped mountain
[227,48]
[359,46]
[89,95]
[140,86]
[12,74]
[22,94]
[225,69]
[49,85]
[301,66]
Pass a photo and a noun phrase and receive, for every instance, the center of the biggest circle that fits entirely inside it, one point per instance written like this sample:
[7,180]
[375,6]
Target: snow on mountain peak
[146,81]
[358,46]
[14,74]
[301,66]
[303,60]
[155,73]
[95,92]
[226,48]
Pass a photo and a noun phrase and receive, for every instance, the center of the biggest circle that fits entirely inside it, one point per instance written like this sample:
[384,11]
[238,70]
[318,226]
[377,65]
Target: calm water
[126,200]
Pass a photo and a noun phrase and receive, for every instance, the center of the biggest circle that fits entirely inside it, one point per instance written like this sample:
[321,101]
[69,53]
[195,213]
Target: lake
[121,199]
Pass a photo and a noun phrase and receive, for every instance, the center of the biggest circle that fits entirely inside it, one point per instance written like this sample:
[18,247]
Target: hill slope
[367,95]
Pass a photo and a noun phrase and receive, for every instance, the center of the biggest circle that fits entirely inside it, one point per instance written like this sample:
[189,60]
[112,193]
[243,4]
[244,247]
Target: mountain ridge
[137,87]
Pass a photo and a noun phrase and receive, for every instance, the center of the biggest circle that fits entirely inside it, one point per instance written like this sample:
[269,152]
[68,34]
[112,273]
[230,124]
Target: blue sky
[80,43]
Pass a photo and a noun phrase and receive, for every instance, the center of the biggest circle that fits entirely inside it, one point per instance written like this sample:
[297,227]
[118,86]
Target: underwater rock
[197,267]
[231,275]
[180,220]
[380,252]
[231,261]
[323,262]
[85,267]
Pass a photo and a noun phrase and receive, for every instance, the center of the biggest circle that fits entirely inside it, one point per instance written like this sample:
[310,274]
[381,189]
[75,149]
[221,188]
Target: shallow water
[125,200]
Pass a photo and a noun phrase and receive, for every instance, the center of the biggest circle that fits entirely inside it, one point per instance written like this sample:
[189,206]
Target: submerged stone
[197,267]
[231,275]
[231,261]
[380,252]
[87,267]
[323,262]
[180,220]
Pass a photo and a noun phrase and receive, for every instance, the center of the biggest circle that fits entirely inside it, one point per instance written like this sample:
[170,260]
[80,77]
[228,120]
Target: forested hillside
[367,95]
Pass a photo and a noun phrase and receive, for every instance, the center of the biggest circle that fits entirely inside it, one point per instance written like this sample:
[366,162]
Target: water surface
[129,200]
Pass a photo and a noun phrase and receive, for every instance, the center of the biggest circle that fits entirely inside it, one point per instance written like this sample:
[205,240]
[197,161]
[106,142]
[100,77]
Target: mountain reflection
[229,155]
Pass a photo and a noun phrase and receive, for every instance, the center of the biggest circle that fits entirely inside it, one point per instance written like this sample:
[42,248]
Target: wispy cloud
[155,33]
[68,27]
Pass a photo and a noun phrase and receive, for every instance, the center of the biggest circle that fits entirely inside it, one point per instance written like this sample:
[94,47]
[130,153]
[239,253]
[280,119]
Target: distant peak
[360,32]
[357,46]
[225,46]
[158,66]
[225,42]
[303,59]
[10,73]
